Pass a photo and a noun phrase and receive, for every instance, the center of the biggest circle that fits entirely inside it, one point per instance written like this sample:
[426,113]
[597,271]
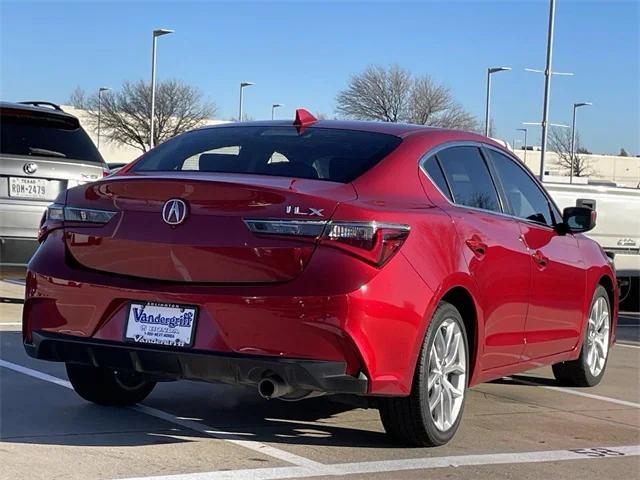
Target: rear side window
[436,175]
[315,153]
[525,198]
[468,177]
[45,135]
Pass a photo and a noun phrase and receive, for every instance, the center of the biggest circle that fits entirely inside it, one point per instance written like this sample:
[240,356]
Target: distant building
[621,170]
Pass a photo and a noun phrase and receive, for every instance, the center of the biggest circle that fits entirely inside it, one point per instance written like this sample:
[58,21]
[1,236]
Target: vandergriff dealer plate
[161,323]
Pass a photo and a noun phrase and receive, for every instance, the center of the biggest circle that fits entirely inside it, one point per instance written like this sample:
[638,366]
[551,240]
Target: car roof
[33,108]
[397,129]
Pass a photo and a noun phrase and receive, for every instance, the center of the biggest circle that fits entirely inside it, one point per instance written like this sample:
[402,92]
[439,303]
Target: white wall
[623,170]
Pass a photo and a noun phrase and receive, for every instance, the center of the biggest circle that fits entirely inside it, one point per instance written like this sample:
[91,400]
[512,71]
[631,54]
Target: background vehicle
[617,230]
[393,261]
[43,151]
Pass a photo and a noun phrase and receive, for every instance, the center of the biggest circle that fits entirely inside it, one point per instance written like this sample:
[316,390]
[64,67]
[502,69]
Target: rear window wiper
[45,153]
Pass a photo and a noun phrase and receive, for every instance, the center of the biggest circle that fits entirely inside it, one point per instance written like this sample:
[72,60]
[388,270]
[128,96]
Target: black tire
[576,373]
[108,387]
[409,418]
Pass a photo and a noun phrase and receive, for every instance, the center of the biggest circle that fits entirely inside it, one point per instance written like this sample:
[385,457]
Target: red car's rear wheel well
[460,298]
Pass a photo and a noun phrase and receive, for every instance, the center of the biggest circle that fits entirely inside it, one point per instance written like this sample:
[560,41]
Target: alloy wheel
[447,375]
[598,336]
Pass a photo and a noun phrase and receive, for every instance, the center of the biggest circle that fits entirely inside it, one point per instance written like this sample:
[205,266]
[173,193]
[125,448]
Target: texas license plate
[35,188]
[161,323]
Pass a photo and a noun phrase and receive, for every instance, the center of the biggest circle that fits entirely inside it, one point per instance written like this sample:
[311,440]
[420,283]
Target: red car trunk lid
[212,244]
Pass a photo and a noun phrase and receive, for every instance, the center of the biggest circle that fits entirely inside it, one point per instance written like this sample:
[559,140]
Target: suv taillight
[374,242]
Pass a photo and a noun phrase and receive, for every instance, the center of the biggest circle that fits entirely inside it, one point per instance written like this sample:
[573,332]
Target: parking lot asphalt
[523,427]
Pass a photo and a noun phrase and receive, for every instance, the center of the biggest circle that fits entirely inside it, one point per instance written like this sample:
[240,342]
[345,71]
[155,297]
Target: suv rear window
[316,153]
[44,135]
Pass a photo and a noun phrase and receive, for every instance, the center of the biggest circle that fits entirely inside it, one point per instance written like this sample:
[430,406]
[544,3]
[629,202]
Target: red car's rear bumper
[342,326]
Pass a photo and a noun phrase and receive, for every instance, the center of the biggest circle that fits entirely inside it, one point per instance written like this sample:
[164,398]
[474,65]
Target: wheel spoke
[440,345]
[434,360]
[431,380]
[599,346]
[455,392]
[448,337]
[452,352]
[444,407]
[604,320]
[447,404]
[455,368]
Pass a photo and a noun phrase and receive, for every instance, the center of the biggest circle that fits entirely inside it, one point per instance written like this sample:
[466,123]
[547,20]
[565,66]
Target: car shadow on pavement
[38,412]
[519,379]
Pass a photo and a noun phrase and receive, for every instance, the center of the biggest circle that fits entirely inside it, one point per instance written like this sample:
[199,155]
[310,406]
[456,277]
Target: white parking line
[11,324]
[626,345]
[388,466]
[214,432]
[577,393]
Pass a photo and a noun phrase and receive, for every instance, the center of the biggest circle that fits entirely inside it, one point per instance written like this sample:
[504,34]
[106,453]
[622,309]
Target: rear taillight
[56,214]
[374,242]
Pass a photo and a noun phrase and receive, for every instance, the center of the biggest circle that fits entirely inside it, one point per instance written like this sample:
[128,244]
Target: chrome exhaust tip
[273,387]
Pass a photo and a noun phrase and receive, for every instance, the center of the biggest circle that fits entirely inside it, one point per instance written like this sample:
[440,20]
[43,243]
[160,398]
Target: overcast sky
[302,53]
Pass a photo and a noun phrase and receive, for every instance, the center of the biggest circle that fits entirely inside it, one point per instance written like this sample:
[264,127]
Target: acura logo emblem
[30,168]
[174,211]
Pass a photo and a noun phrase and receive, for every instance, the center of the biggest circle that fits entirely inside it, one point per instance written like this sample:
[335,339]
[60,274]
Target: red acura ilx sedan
[397,262]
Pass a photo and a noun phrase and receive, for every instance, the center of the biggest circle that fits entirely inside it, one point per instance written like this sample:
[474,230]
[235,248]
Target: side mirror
[578,219]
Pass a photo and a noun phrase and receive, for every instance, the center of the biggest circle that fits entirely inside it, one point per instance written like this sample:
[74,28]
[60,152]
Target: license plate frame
[43,183]
[154,327]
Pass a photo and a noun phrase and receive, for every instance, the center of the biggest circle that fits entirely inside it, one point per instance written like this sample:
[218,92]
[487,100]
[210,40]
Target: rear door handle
[477,246]
[540,259]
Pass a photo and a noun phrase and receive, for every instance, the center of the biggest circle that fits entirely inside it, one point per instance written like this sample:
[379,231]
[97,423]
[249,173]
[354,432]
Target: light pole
[525,142]
[273,109]
[156,33]
[100,90]
[242,85]
[547,85]
[488,106]
[573,135]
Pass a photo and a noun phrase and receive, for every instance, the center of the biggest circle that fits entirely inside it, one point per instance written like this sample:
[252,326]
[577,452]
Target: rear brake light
[374,242]
[371,241]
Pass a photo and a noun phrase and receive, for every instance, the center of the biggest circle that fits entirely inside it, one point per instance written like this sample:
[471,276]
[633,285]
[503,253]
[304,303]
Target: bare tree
[394,95]
[78,98]
[560,142]
[378,93]
[428,101]
[125,113]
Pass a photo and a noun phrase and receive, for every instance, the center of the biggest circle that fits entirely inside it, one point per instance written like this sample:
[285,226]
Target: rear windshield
[41,135]
[315,153]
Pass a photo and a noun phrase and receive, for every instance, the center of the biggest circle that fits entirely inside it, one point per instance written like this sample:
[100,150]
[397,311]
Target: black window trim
[482,146]
[445,146]
[446,180]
